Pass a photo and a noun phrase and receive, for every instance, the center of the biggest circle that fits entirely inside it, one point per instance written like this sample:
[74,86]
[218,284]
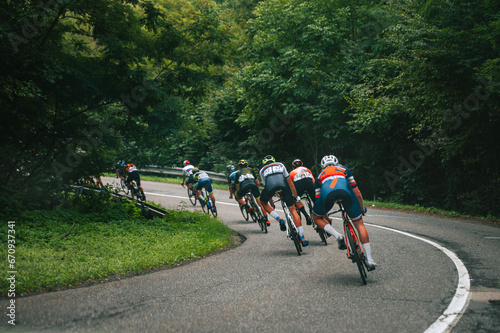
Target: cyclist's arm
[357,192]
[292,187]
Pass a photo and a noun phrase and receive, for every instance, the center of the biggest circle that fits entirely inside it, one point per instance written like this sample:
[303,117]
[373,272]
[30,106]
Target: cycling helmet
[297,163]
[230,168]
[186,162]
[242,163]
[268,159]
[329,160]
[195,170]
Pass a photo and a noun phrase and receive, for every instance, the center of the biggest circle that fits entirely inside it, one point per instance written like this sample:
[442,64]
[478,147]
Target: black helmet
[297,163]
[268,159]
[242,163]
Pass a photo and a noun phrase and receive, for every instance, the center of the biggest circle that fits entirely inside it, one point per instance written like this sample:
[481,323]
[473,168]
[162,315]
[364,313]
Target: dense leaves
[403,92]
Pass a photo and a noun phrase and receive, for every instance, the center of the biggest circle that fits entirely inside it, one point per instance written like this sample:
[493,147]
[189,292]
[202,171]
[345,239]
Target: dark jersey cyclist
[202,180]
[245,181]
[231,173]
[276,178]
[337,182]
[303,180]
[119,168]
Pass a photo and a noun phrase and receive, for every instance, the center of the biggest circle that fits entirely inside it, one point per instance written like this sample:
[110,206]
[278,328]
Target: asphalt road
[434,273]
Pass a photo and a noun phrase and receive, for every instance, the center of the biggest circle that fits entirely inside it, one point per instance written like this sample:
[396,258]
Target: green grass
[104,246]
[430,210]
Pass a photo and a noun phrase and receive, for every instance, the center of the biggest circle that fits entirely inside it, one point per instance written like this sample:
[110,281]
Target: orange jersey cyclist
[132,173]
[303,180]
[276,177]
[337,182]
[245,180]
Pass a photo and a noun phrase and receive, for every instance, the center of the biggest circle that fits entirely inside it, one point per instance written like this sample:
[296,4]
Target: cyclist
[132,173]
[231,173]
[187,172]
[202,180]
[246,181]
[337,182]
[275,177]
[119,168]
[303,180]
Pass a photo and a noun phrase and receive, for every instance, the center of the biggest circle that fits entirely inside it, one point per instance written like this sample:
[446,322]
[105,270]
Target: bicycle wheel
[213,209]
[244,212]
[353,247]
[258,213]
[124,186]
[292,231]
[192,196]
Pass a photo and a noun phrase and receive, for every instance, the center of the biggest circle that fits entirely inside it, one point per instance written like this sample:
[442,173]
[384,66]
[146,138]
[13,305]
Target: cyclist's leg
[265,196]
[238,196]
[321,207]
[208,186]
[354,212]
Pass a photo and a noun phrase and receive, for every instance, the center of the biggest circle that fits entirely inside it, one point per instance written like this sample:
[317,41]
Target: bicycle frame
[354,249]
[291,228]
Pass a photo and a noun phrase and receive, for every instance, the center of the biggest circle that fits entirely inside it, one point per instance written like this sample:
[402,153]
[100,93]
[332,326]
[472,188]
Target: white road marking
[460,301]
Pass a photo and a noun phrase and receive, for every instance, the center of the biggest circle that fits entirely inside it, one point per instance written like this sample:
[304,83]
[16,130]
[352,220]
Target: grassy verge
[172,180]
[104,244]
[430,210]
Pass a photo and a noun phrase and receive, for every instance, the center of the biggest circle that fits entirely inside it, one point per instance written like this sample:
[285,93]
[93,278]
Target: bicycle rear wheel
[292,231]
[258,214]
[244,212]
[354,251]
[192,196]
[213,209]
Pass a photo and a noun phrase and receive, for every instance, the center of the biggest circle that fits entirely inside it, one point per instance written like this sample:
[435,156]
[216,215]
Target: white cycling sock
[201,198]
[368,251]
[329,229]
[300,230]
[275,215]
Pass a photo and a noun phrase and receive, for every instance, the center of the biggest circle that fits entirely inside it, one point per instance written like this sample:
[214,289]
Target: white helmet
[329,160]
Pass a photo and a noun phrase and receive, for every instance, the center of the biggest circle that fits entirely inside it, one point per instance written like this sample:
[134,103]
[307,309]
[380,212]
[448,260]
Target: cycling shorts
[305,185]
[248,186]
[286,194]
[190,179]
[204,183]
[134,175]
[333,190]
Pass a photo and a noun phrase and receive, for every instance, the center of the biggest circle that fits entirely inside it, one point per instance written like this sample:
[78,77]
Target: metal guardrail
[178,172]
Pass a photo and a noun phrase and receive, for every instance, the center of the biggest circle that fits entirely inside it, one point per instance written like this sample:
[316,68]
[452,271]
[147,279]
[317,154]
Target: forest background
[404,93]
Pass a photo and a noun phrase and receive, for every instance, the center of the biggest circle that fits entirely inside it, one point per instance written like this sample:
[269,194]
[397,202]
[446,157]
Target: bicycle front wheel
[192,196]
[124,186]
[354,248]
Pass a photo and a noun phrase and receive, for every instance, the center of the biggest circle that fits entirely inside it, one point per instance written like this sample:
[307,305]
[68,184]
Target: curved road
[263,286]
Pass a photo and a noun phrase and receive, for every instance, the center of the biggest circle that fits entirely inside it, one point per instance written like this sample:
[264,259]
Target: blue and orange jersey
[332,172]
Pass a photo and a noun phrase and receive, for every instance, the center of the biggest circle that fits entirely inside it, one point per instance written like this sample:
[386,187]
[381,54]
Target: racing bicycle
[354,249]
[255,212]
[192,195]
[209,205]
[136,191]
[291,229]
